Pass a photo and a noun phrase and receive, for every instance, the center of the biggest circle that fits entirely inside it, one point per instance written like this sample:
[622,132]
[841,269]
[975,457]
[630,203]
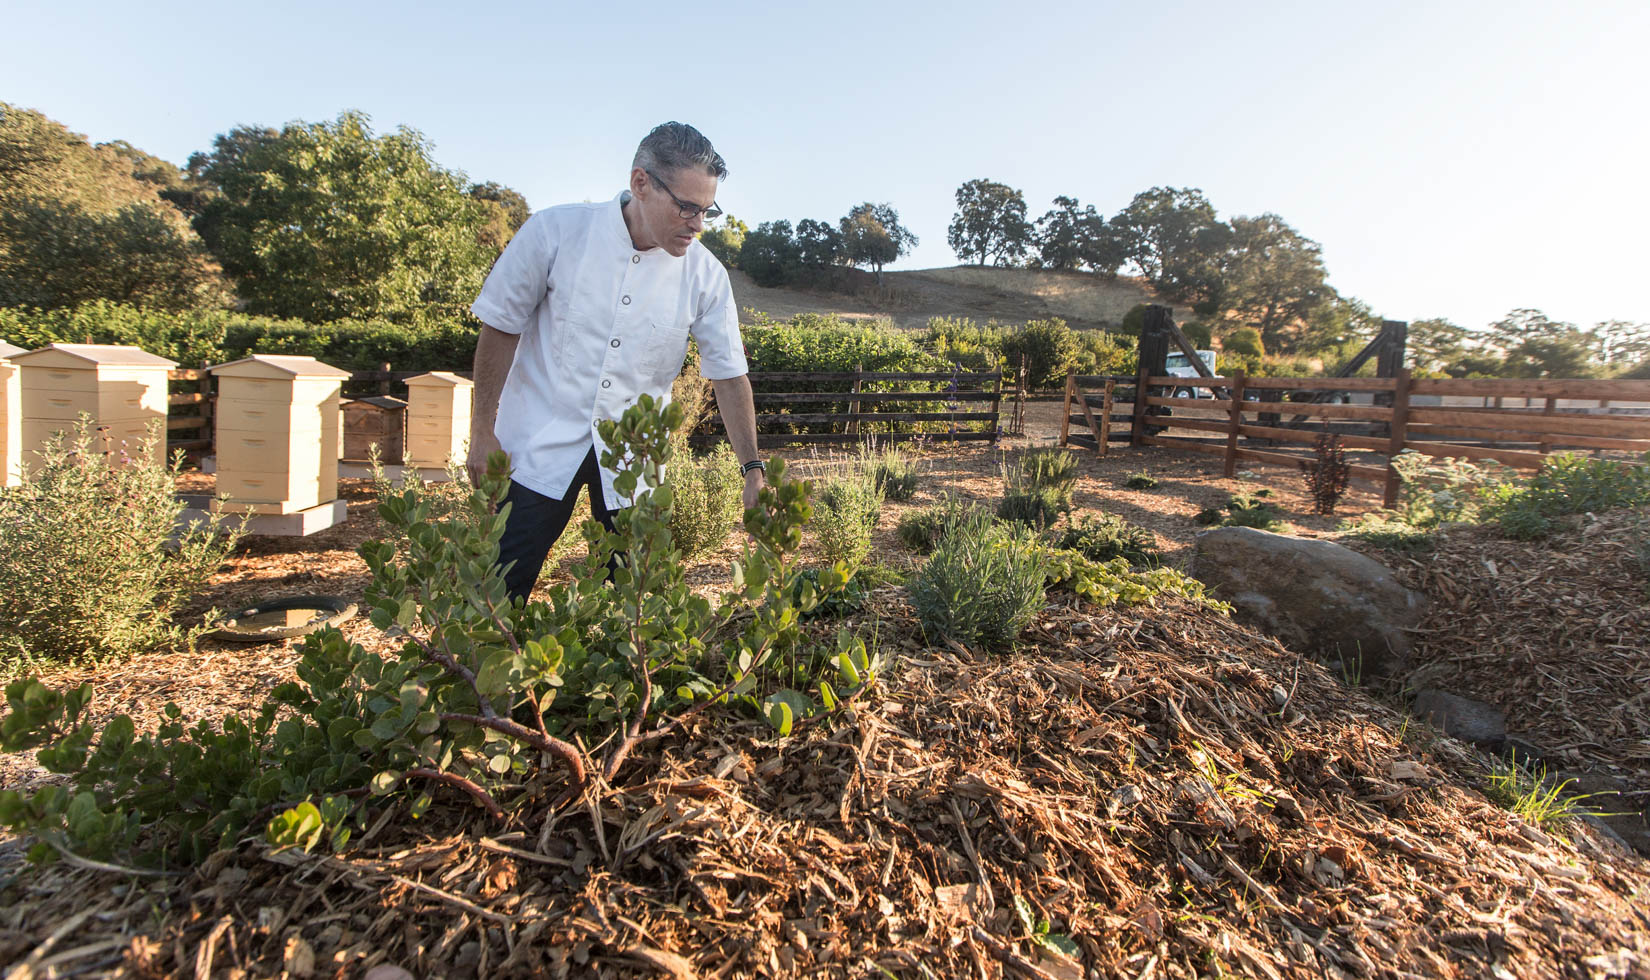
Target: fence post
[1065,408]
[384,385]
[1236,415]
[1154,355]
[1395,333]
[1020,381]
[1105,418]
[1400,424]
[1545,446]
[997,411]
[853,406]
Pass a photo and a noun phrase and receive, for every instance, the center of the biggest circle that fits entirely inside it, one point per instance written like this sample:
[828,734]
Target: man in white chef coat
[590,306]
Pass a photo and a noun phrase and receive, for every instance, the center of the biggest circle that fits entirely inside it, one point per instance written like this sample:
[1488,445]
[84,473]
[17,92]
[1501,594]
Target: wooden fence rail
[1519,438]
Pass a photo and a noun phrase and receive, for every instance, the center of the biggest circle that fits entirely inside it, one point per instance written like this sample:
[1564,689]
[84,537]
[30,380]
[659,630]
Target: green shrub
[475,698]
[1243,510]
[1110,582]
[1244,342]
[89,571]
[1442,491]
[1036,508]
[1210,516]
[1049,347]
[894,472]
[707,500]
[921,529]
[1140,480]
[1381,530]
[1102,537]
[982,585]
[846,516]
[1055,468]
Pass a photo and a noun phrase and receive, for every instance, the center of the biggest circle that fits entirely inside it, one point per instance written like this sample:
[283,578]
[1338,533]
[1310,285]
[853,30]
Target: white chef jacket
[600,323]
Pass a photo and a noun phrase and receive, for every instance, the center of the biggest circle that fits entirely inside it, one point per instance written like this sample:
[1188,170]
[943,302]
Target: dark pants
[536,521]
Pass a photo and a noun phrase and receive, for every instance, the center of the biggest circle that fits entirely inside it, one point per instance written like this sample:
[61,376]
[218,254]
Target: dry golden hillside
[979,293]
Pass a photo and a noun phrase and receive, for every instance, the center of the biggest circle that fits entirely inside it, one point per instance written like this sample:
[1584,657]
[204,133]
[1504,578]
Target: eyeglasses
[684,208]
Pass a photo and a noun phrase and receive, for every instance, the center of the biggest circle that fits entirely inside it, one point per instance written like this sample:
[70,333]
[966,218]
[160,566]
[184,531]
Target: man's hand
[482,445]
[753,483]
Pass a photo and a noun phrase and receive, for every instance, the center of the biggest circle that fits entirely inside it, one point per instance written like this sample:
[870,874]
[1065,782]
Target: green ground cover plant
[920,529]
[1102,537]
[846,515]
[95,566]
[894,472]
[483,701]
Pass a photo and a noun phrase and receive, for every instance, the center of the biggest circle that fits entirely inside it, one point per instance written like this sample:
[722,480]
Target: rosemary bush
[707,499]
[982,585]
[846,516]
[1102,537]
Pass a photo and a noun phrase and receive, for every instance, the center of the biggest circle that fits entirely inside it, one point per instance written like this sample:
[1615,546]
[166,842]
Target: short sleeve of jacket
[520,278]
[716,329]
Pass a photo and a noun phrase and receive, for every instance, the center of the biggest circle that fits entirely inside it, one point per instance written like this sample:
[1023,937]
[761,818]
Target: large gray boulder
[1315,596]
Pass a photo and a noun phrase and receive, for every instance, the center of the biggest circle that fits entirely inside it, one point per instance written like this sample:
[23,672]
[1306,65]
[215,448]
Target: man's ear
[638,181]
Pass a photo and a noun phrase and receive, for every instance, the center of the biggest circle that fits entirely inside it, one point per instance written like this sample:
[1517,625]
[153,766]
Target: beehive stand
[123,389]
[277,438]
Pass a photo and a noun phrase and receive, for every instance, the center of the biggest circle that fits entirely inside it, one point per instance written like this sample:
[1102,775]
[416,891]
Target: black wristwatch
[755,464]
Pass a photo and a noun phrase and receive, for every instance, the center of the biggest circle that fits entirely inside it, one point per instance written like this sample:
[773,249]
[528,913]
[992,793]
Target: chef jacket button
[625,300]
[607,384]
[613,343]
[635,258]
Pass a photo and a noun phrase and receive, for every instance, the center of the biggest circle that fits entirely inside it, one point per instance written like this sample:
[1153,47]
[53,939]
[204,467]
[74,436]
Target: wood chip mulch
[1180,796]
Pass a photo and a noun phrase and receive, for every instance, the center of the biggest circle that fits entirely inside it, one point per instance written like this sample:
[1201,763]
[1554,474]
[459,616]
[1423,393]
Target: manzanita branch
[456,781]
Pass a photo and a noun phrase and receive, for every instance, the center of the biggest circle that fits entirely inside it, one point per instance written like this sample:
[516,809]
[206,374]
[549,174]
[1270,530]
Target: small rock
[1464,718]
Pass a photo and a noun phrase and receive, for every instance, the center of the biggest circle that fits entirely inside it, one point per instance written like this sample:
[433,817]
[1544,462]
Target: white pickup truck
[1180,366]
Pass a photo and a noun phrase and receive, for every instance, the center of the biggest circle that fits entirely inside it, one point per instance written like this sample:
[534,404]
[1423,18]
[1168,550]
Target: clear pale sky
[1455,159]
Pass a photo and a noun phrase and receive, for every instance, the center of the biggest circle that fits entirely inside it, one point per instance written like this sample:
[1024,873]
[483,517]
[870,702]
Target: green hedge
[213,337]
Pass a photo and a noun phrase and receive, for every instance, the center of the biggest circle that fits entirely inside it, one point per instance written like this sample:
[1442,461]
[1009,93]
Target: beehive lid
[445,379]
[280,367]
[92,356]
[385,402]
[10,350]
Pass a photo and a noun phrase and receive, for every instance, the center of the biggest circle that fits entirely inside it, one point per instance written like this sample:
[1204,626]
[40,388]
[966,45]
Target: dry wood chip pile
[1556,633]
[1180,796]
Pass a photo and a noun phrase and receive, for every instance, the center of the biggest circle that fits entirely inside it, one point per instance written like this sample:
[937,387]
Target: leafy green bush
[1210,516]
[1444,491]
[846,517]
[89,571]
[894,473]
[1109,582]
[921,529]
[707,497]
[1049,347]
[1102,537]
[484,699]
[1140,480]
[982,585]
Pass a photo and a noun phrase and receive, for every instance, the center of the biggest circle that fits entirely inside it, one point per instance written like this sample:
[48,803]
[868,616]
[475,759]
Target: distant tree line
[815,252]
[1262,287]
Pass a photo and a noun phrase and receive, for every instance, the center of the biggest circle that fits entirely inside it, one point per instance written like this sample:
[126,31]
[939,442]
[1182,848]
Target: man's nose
[697,223]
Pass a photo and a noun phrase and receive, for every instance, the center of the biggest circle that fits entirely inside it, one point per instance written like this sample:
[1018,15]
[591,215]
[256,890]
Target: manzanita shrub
[484,699]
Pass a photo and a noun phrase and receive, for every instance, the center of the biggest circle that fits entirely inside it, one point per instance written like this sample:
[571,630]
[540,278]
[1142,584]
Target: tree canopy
[1271,278]
[1069,238]
[872,235]
[322,221]
[80,222]
[990,223]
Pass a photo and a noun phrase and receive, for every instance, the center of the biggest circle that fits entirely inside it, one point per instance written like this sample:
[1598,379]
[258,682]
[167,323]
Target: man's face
[662,217]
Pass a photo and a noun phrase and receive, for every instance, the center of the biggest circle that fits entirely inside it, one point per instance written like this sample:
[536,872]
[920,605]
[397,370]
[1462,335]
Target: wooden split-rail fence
[812,407]
[1246,414]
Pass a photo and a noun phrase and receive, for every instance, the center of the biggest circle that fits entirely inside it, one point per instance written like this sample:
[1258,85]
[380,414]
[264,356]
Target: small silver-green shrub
[982,585]
[95,566]
[708,499]
[845,514]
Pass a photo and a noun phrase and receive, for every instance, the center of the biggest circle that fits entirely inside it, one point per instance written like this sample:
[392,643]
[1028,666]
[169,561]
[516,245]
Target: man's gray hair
[675,146]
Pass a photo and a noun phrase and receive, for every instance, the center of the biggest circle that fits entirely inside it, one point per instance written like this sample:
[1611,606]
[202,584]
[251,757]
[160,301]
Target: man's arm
[495,352]
[738,408]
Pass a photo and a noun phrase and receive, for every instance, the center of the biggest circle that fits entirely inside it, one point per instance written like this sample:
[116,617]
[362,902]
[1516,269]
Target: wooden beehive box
[378,420]
[277,434]
[11,418]
[123,389]
[438,417]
